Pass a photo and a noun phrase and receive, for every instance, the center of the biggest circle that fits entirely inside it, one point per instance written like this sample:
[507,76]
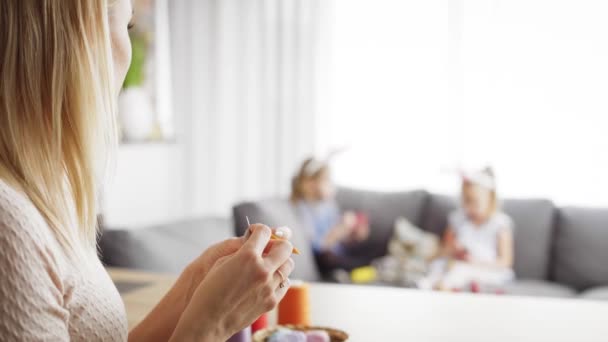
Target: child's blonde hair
[489,184]
[311,168]
[57,122]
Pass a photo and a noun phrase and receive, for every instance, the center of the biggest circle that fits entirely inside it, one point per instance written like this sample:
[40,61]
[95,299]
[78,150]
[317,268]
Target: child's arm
[333,237]
[338,233]
[449,243]
[505,248]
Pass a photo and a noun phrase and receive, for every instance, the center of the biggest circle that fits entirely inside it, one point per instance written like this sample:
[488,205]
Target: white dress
[481,243]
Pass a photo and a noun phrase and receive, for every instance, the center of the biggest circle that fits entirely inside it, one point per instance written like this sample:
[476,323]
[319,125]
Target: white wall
[147,186]
[245,80]
[246,76]
[417,86]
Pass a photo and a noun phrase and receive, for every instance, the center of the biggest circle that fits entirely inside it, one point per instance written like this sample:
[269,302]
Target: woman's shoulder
[20,220]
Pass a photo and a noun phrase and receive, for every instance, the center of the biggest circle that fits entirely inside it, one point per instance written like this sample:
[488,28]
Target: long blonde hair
[57,122]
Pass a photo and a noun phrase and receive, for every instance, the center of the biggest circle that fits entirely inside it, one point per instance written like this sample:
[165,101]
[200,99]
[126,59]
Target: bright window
[421,87]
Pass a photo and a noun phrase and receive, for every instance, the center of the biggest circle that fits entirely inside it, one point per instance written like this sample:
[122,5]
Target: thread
[272,237]
[260,323]
[242,336]
[294,308]
[293,251]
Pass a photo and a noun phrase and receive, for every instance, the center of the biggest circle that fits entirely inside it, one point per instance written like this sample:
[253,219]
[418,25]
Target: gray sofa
[559,252]
[166,248]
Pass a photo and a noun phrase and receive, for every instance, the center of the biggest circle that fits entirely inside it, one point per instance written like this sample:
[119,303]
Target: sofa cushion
[595,293]
[163,248]
[533,221]
[383,209]
[275,213]
[580,248]
[538,288]
[436,213]
[271,212]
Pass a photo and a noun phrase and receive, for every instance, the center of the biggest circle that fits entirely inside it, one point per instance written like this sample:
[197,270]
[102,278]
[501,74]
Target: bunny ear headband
[479,178]
[317,164]
[314,166]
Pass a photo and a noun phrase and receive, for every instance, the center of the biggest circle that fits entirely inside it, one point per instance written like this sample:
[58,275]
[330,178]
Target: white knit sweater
[43,295]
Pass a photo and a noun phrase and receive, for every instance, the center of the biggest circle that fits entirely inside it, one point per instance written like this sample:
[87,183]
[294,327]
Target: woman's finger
[282,274]
[226,247]
[278,254]
[281,291]
[260,235]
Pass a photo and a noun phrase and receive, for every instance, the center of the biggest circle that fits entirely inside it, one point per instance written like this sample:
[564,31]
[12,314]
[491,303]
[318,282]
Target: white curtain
[247,82]
[424,86]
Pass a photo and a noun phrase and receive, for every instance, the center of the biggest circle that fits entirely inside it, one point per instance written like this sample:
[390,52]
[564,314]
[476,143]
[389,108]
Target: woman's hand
[160,324]
[194,274]
[238,288]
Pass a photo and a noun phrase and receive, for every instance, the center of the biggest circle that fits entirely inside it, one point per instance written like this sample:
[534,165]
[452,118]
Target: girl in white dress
[477,246]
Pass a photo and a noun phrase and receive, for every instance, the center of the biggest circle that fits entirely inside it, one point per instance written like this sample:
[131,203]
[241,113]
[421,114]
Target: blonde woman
[61,66]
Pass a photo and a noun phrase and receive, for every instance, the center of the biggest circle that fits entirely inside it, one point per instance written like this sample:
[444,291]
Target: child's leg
[494,277]
[436,271]
[461,275]
[458,276]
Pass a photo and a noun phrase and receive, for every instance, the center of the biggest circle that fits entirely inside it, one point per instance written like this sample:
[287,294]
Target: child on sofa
[477,247]
[332,232]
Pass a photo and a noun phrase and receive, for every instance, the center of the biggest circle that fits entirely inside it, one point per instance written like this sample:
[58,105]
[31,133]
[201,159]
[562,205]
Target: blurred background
[226,98]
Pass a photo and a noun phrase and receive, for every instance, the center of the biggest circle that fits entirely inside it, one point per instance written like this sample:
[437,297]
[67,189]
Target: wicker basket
[334,334]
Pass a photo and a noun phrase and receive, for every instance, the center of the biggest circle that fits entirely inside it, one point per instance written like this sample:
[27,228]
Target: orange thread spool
[295,306]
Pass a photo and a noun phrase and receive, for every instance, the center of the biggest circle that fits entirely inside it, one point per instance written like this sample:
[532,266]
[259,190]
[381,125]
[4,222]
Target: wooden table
[149,289]
[392,314]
